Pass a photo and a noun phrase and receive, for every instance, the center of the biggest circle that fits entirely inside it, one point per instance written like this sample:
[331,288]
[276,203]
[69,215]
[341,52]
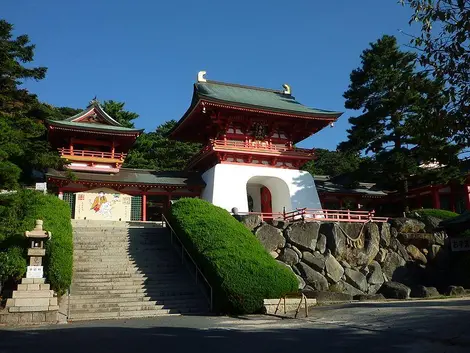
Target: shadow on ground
[376,327]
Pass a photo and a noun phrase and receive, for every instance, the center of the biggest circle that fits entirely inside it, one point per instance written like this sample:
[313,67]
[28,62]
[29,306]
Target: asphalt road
[415,327]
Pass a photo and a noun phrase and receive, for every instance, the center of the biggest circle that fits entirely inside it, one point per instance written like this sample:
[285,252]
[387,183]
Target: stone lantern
[33,301]
[36,251]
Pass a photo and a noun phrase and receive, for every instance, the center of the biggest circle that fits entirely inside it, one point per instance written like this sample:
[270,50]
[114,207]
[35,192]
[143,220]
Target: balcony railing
[259,146]
[67,152]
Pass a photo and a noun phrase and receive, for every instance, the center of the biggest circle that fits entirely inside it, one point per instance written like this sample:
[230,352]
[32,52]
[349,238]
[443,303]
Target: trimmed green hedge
[235,263]
[19,212]
[441,214]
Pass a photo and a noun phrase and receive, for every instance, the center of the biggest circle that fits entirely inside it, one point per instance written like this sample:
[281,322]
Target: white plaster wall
[208,192]
[255,191]
[227,187]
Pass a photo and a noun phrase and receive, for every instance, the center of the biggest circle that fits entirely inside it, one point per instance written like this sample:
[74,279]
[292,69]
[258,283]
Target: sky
[147,53]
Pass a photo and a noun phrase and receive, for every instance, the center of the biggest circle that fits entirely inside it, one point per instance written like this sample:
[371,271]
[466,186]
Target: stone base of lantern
[32,303]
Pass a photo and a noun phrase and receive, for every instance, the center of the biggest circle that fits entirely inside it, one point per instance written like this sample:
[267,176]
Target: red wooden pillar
[436,202]
[144,207]
[112,150]
[467,196]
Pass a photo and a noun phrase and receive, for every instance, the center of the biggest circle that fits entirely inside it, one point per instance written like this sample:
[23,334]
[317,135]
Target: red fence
[307,214]
[84,153]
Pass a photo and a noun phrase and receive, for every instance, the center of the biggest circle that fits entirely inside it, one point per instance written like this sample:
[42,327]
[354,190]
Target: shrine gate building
[249,158]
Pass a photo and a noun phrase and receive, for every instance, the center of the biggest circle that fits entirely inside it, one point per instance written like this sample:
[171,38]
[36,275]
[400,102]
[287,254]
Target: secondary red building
[94,145]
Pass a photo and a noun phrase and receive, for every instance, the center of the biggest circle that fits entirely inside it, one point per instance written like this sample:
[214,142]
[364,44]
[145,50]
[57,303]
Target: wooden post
[112,149]
[144,207]
[436,202]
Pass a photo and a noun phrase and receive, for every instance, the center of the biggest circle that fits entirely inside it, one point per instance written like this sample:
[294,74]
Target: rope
[358,242]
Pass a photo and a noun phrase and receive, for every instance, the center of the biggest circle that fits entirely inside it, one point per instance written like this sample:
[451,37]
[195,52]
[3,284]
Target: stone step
[151,292]
[156,258]
[106,277]
[122,285]
[109,230]
[119,245]
[125,282]
[122,250]
[133,230]
[142,305]
[112,279]
[128,266]
[124,272]
[148,289]
[103,271]
[121,236]
[121,312]
[87,315]
[161,294]
[75,299]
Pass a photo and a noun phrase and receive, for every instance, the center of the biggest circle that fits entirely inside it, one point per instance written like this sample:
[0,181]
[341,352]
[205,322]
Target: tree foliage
[395,102]
[333,163]
[23,147]
[156,151]
[444,45]
[117,112]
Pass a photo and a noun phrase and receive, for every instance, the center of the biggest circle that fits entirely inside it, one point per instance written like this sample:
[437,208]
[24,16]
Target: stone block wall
[356,258]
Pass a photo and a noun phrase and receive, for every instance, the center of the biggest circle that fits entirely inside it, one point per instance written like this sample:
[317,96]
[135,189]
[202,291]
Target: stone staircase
[129,270]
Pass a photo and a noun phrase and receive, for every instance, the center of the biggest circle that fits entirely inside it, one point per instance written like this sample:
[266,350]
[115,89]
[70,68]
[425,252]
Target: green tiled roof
[88,126]
[256,98]
[138,176]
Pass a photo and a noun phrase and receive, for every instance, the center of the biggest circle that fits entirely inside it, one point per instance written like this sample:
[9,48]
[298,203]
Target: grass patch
[441,214]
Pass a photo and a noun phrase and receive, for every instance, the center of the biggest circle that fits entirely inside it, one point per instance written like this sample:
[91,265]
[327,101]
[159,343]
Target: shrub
[441,214]
[12,264]
[19,212]
[235,263]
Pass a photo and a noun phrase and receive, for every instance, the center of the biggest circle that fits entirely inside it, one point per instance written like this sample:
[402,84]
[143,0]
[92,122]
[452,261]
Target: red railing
[306,214]
[261,146]
[84,153]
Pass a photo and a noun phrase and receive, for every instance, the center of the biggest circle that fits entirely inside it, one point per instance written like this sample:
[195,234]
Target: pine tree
[394,101]
[117,112]
[155,150]
[23,147]
[444,49]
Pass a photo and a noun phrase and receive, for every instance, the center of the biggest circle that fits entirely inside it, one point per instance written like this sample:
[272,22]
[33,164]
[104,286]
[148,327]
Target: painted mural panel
[103,204]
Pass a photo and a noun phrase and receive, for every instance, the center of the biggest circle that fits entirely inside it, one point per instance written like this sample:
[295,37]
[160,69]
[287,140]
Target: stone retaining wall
[355,258]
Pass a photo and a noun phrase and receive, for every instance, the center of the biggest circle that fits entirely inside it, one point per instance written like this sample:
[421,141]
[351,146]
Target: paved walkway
[414,327]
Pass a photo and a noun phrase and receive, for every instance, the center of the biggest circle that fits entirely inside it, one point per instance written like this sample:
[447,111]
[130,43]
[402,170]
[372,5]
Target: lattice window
[136,208]
[69,197]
